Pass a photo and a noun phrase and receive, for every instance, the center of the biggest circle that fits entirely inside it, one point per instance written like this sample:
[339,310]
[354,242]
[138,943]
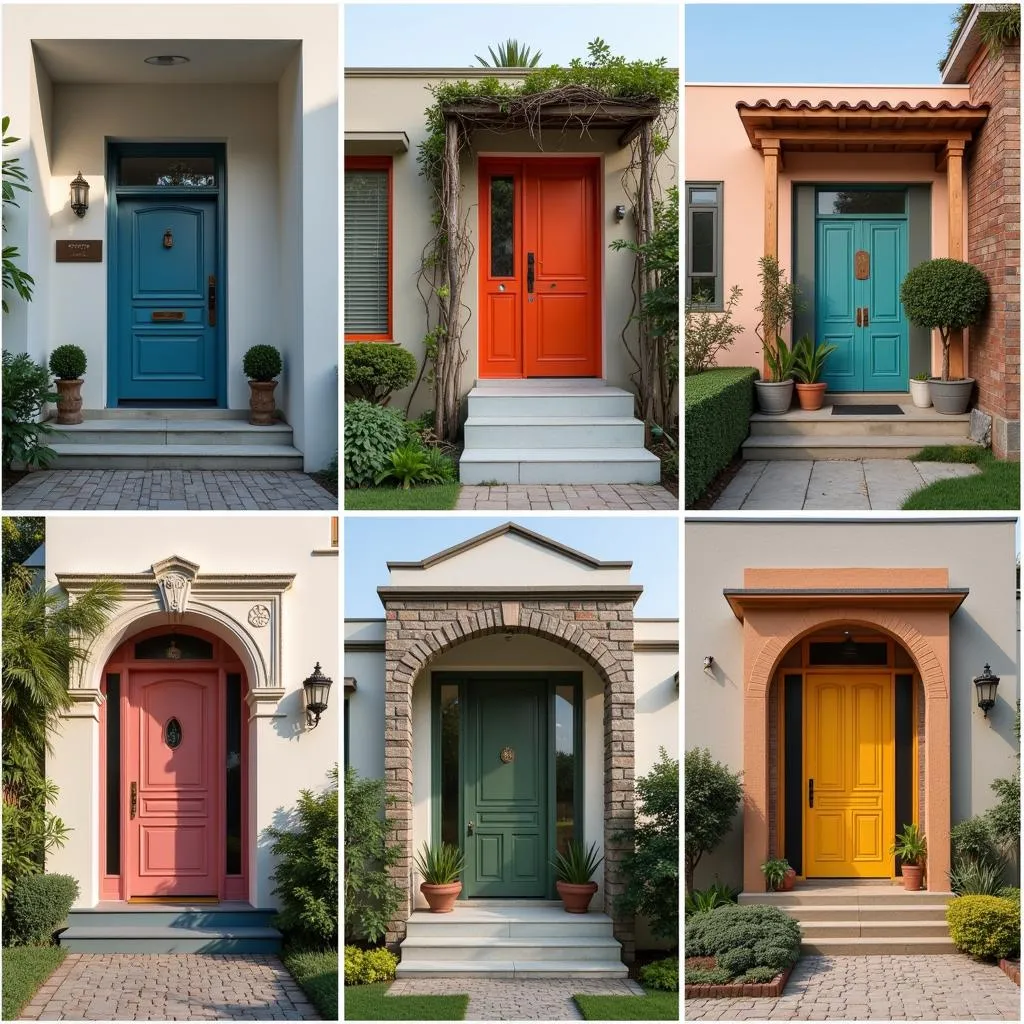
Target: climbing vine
[604,90]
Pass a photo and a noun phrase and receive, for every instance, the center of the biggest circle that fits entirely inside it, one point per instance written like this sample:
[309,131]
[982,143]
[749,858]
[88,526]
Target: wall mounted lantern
[848,651]
[620,212]
[79,195]
[709,660]
[317,688]
[986,685]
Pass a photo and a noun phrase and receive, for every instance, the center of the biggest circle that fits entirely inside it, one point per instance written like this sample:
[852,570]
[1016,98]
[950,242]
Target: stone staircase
[173,439]
[822,435]
[864,919]
[229,927]
[510,938]
[554,431]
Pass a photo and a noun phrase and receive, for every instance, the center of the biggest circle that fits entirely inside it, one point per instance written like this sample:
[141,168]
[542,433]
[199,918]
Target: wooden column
[955,197]
[771,149]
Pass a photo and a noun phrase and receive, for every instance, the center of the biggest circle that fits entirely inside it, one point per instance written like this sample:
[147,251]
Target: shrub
[975,878]
[440,465]
[974,840]
[663,974]
[747,937]
[737,961]
[372,433]
[718,895]
[713,793]
[307,867]
[707,976]
[709,332]
[67,362]
[36,908]
[371,898]
[651,867]
[985,927]
[368,966]
[26,389]
[409,464]
[718,408]
[374,370]
[262,362]
[759,976]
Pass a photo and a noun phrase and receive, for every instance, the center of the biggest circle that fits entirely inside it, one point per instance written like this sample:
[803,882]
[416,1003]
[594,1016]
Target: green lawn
[997,486]
[654,1005]
[367,1002]
[416,499]
[25,968]
[317,972]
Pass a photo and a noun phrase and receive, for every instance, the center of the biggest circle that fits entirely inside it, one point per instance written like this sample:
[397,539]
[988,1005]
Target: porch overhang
[744,600]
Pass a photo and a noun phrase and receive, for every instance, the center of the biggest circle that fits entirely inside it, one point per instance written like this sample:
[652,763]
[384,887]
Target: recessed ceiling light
[167,59]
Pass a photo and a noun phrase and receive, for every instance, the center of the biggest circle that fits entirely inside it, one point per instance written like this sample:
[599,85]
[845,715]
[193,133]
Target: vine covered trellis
[639,100]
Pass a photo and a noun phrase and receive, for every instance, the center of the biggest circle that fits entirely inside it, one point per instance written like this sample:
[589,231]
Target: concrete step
[559,466]
[116,916]
[841,446]
[823,423]
[868,397]
[161,431]
[897,927]
[868,913]
[471,948]
[485,923]
[164,412]
[877,947]
[883,895]
[586,399]
[528,968]
[554,431]
[155,939]
[176,456]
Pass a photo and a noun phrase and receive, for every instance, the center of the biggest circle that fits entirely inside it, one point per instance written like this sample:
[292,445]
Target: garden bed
[733,989]
[1011,968]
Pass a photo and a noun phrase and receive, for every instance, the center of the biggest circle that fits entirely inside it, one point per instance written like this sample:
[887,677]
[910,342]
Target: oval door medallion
[507,755]
[172,733]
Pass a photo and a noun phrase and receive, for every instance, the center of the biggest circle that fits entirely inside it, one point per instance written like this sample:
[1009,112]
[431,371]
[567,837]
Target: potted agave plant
[912,850]
[440,867]
[262,365]
[67,364]
[575,869]
[809,360]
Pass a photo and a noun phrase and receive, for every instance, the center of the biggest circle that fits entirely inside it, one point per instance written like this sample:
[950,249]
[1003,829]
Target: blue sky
[650,542]
[828,44]
[449,35]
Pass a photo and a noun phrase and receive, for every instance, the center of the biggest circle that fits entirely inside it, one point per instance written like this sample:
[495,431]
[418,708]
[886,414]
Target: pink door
[173,739]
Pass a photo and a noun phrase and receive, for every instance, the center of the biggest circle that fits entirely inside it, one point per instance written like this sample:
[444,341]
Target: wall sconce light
[620,212]
[316,687]
[708,662]
[79,195]
[986,684]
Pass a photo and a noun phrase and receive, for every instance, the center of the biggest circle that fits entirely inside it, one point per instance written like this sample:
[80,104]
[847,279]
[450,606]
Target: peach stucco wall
[717,149]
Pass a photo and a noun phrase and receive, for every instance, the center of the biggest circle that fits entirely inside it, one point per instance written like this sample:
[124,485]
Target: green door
[506,789]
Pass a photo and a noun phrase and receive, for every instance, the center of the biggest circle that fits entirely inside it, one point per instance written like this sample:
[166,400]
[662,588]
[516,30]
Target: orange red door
[540,303]
[174,817]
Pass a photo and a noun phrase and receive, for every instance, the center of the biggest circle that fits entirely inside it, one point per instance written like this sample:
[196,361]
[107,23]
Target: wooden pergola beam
[932,137]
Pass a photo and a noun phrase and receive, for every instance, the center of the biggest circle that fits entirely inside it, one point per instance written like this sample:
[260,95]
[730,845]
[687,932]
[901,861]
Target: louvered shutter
[366,252]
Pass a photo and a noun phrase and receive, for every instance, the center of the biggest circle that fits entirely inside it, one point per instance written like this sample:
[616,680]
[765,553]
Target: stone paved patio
[104,489]
[514,999]
[579,497]
[182,986]
[910,987]
[832,486]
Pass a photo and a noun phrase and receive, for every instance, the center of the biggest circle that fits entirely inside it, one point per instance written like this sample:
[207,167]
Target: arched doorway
[173,752]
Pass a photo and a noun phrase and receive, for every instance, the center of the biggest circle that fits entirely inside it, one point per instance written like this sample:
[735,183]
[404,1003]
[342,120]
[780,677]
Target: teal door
[506,790]
[860,264]
[167,334]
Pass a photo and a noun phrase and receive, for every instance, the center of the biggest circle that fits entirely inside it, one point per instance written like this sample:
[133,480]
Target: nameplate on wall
[80,250]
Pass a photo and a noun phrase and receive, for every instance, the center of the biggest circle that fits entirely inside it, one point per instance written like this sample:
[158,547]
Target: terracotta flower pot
[441,898]
[261,402]
[913,875]
[811,396]
[576,898]
[789,879]
[69,401]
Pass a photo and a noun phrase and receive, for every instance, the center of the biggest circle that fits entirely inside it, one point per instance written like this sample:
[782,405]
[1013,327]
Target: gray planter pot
[774,398]
[951,397]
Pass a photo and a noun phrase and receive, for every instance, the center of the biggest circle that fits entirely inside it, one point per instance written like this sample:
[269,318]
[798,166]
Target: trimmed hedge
[368,966]
[37,907]
[718,408]
[742,938]
[985,927]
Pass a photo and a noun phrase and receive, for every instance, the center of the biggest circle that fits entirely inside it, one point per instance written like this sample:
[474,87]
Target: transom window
[171,171]
[861,201]
[368,248]
[704,243]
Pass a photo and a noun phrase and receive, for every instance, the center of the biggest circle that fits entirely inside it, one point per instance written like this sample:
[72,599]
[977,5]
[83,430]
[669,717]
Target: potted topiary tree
[948,295]
[262,365]
[575,869]
[67,364]
[809,364]
[440,867]
[912,850]
[778,304]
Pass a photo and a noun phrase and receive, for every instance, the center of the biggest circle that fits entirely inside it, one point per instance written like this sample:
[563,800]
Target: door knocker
[507,755]
[168,239]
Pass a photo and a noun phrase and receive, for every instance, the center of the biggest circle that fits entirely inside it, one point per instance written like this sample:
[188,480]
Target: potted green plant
[575,869]
[67,364]
[920,390]
[809,365]
[440,867]
[262,365]
[778,304]
[912,850]
[777,873]
[947,295]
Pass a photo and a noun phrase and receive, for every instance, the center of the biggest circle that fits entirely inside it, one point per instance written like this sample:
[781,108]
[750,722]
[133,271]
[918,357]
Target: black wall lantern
[317,688]
[79,195]
[986,685]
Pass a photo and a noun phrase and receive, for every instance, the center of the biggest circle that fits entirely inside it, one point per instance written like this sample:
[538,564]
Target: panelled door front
[506,790]
[167,299]
[861,263]
[170,784]
[539,268]
[849,787]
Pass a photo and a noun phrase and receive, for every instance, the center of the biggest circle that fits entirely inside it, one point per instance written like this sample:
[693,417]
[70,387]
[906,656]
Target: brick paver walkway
[877,988]
[166,489]
[526,999]
[579,497]
[181,986]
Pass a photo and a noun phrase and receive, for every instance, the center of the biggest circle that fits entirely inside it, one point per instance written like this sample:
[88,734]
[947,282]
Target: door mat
[866,410]
[176,901]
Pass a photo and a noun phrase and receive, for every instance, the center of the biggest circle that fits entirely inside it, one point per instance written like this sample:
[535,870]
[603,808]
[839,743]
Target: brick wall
[993,242]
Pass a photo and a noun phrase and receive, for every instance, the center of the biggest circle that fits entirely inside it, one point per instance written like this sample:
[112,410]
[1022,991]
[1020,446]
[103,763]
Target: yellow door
[849,789]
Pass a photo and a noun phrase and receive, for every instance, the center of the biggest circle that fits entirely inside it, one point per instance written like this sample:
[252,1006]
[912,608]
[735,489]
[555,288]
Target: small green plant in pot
[778,875]
[809,360]
[440,867]
[262,365]
[921,390]
[575,869]
[67,364]
[912,850]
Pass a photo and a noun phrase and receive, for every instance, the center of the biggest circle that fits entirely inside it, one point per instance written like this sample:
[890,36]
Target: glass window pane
[450,831]
[702,242]
[565,766]
[174,647]
[168,171]
[233,795]
[842,653]
[704,290]
[862,201]
[502,227]
[366,252]
[703,196]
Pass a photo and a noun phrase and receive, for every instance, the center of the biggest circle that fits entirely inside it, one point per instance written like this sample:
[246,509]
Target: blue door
[167,335]
[860,264]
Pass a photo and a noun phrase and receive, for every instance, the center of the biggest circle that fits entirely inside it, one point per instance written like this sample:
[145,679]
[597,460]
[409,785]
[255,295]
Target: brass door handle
[864,318]
[211,300]
[134,798]
[810,792]
[530,261]
[469,828]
